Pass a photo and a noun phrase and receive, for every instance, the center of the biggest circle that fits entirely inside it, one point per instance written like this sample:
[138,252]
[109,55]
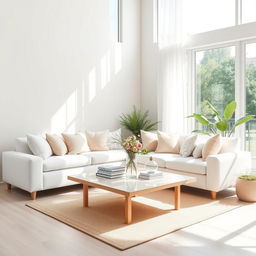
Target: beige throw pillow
[212,146]
[230,145]
[76,143]
[168,143]
[97,141]
[57,144]
[149,140]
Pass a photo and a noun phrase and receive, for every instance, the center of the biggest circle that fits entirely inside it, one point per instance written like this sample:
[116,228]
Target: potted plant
[220,123]
[246,188]
[137,121]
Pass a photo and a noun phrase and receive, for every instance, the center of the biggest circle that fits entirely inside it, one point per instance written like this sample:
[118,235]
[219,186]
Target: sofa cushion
[100,157]
[168,143]
[160,158]
[39,146]
[57,144]
[76,143]
[188,145]
[21,145]
[230,145]
[212,146]
[64,162]
[149,140]
[187,164]
[97,141]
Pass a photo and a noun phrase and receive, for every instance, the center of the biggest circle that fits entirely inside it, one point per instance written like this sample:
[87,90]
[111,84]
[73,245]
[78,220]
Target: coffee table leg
[128,209]
[85,195]
[177,197]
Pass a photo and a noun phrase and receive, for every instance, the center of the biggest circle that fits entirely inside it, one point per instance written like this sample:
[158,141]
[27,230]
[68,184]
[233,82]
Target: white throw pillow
[21,145]
[39,146]
[229,145]
[201,140]
[197,153]
[188,145]
[115,139]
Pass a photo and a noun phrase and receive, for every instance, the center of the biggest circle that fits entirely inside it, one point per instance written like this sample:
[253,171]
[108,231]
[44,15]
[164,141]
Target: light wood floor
[24,231]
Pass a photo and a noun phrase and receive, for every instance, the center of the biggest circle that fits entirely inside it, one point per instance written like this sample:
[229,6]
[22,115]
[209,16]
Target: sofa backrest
[21,145]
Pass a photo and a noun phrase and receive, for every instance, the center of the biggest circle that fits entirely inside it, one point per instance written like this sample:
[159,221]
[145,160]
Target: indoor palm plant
[221,123]
[136,121]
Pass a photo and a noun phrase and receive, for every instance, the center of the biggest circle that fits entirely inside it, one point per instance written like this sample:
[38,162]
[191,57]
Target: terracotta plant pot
[246,190]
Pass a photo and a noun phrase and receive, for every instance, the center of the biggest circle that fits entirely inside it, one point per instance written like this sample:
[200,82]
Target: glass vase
[131,165]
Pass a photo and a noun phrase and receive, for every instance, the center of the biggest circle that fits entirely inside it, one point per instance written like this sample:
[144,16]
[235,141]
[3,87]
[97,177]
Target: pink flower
[139,145]
[127,147]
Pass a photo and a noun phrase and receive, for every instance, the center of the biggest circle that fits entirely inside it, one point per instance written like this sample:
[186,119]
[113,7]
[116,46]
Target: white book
[148,177]
[151,173]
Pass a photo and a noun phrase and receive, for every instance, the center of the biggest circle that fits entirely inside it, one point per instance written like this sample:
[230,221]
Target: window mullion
[240,89]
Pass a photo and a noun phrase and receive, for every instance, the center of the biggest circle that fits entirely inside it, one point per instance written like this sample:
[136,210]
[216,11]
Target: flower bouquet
[132,146]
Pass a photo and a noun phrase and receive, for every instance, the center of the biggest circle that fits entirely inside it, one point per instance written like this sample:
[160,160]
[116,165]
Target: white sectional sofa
[217,173]
[31,173]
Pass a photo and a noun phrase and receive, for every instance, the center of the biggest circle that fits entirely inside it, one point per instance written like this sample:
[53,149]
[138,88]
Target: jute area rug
[153,215]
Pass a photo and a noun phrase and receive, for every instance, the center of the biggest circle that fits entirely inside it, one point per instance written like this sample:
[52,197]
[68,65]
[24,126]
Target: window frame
[240,87]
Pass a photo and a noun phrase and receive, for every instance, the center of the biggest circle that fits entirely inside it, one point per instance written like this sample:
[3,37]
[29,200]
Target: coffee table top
[131,185]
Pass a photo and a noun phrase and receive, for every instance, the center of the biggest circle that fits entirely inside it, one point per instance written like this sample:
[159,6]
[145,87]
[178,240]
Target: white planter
[246,190]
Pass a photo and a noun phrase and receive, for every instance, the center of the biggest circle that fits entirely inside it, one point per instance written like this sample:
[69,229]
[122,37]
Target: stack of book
[111,172]
[148,175]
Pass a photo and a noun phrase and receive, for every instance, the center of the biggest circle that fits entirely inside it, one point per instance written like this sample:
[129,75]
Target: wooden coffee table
[130,188]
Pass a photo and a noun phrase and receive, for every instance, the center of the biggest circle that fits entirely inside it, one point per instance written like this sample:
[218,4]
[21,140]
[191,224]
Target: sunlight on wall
[118,57]
[65,117]
[105,69]
[73,110]
[92,84]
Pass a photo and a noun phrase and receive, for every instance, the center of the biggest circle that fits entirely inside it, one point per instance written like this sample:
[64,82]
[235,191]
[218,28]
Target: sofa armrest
[223,169]
[23,170]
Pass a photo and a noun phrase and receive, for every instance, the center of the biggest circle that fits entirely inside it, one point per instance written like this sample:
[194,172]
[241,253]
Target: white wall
[149,54]
[58,69]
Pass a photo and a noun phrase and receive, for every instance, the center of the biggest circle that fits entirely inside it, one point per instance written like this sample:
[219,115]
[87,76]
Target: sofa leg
[214,195]
[9,186]
[33,195]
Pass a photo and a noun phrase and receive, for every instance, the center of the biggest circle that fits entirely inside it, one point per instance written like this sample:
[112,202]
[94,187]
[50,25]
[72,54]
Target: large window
[222,46]
[215,78]
[221,76]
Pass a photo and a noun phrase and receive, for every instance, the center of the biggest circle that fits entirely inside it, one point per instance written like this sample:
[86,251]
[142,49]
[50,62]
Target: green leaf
[243,120]
[214,110]
[222,126]
[137,121]
[229,110]
[200,118]
[201,132]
